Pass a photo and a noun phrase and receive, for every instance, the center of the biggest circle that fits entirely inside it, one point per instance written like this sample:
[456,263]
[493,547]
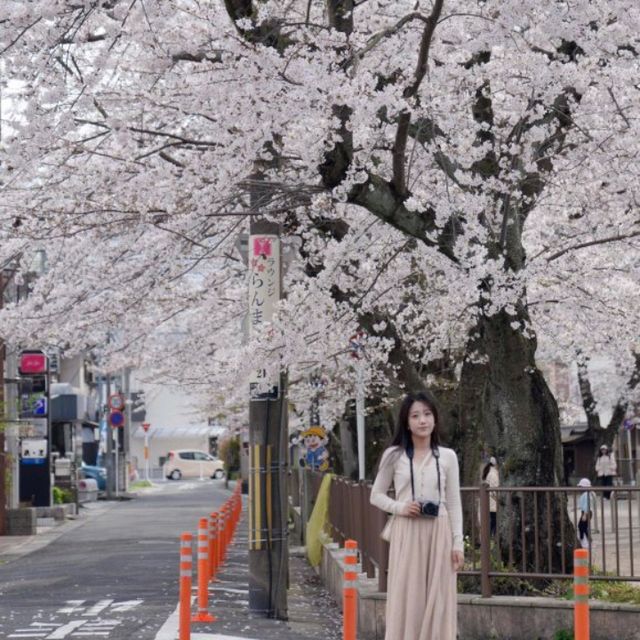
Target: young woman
[491,476]
[606,469]
[426,533]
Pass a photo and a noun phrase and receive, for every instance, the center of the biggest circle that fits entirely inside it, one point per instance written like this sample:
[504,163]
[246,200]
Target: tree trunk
[503,406]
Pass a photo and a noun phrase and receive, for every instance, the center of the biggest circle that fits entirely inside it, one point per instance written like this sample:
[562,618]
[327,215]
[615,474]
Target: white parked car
[191,463]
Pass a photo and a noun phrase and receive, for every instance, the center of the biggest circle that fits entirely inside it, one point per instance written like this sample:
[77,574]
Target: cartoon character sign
[315,442]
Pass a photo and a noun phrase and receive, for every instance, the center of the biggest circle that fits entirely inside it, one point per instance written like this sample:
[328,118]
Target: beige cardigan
[394,469]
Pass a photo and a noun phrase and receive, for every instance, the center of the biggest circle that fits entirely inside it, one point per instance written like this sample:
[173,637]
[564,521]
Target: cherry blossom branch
[375,40]
[591,243]
[19,36]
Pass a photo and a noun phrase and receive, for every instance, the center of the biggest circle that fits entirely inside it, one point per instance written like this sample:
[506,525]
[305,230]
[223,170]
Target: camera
[429,509]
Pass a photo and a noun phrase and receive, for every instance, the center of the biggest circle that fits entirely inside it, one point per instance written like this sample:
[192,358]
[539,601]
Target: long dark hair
[402,435]
[485,471]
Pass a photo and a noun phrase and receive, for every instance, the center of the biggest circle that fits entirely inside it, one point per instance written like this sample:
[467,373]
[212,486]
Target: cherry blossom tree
[458,178]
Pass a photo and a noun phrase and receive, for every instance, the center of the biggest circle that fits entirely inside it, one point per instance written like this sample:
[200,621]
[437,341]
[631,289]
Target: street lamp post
[356,344]
[360,419]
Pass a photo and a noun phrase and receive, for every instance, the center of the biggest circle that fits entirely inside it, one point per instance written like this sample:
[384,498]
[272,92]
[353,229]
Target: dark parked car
[99,474]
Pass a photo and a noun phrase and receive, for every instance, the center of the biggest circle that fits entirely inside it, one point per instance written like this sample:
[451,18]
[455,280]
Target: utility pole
[3,455]
[3,426]
[126,428]
[268,530]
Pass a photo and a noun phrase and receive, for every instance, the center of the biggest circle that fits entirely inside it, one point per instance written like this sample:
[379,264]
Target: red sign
[32,363]
[262,247]
[116,402]
[145,426]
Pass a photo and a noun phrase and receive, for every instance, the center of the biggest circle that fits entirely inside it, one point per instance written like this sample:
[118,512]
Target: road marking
[65,630]
[216,636]
[169,631]
[89,625]
[97,608]
[73,606]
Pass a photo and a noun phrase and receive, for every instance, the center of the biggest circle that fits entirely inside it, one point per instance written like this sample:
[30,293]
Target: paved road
[114,577]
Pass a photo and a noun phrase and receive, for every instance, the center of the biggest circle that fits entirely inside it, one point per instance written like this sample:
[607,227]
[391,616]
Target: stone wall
[22,522]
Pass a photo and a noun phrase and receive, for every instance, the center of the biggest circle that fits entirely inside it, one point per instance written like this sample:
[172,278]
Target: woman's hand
[457,557]
[410,509]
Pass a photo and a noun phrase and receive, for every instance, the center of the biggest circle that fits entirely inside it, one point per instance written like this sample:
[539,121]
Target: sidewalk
[312,611]
[13,547]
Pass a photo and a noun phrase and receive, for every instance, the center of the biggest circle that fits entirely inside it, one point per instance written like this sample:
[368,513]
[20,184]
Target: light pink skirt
[421,590]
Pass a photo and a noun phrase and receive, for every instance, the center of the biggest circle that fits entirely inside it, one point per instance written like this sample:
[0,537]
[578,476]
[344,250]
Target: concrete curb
[498,617]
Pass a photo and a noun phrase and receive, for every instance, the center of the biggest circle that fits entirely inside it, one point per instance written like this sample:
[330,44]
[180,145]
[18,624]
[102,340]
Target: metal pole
[50,478]
[485,542]
[109,443]
[114,435]
[146,455]
[632,475]
[360,419]
[126,428]
[13,430]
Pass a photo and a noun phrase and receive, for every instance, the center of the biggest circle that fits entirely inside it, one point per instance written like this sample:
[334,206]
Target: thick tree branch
[402,132]
[380,198]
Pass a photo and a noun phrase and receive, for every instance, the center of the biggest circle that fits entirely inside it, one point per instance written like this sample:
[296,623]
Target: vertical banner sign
[264,294]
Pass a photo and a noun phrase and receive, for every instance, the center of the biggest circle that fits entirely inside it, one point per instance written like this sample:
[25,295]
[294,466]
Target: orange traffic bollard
[203,573]
[184,624]
[349,595]
[213,545]
[228,525]
[222,530]
[581,594]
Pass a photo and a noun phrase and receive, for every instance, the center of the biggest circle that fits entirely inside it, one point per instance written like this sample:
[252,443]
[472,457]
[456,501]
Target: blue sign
[40,408]
[116,418]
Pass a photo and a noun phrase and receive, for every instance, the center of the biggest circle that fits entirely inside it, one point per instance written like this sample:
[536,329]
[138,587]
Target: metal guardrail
[535,536]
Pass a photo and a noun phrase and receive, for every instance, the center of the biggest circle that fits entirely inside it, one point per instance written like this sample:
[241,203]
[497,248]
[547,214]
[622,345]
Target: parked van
[191,463]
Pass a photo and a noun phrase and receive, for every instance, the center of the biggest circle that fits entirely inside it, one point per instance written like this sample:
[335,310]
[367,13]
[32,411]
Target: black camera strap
[436,455]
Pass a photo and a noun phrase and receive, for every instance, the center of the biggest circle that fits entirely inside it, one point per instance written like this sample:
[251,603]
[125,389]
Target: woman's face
[421,420]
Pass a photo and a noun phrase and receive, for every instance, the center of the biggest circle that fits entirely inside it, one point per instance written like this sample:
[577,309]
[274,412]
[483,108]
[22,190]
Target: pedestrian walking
[606,469]
[491,476]
[426,547]
[586,504]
